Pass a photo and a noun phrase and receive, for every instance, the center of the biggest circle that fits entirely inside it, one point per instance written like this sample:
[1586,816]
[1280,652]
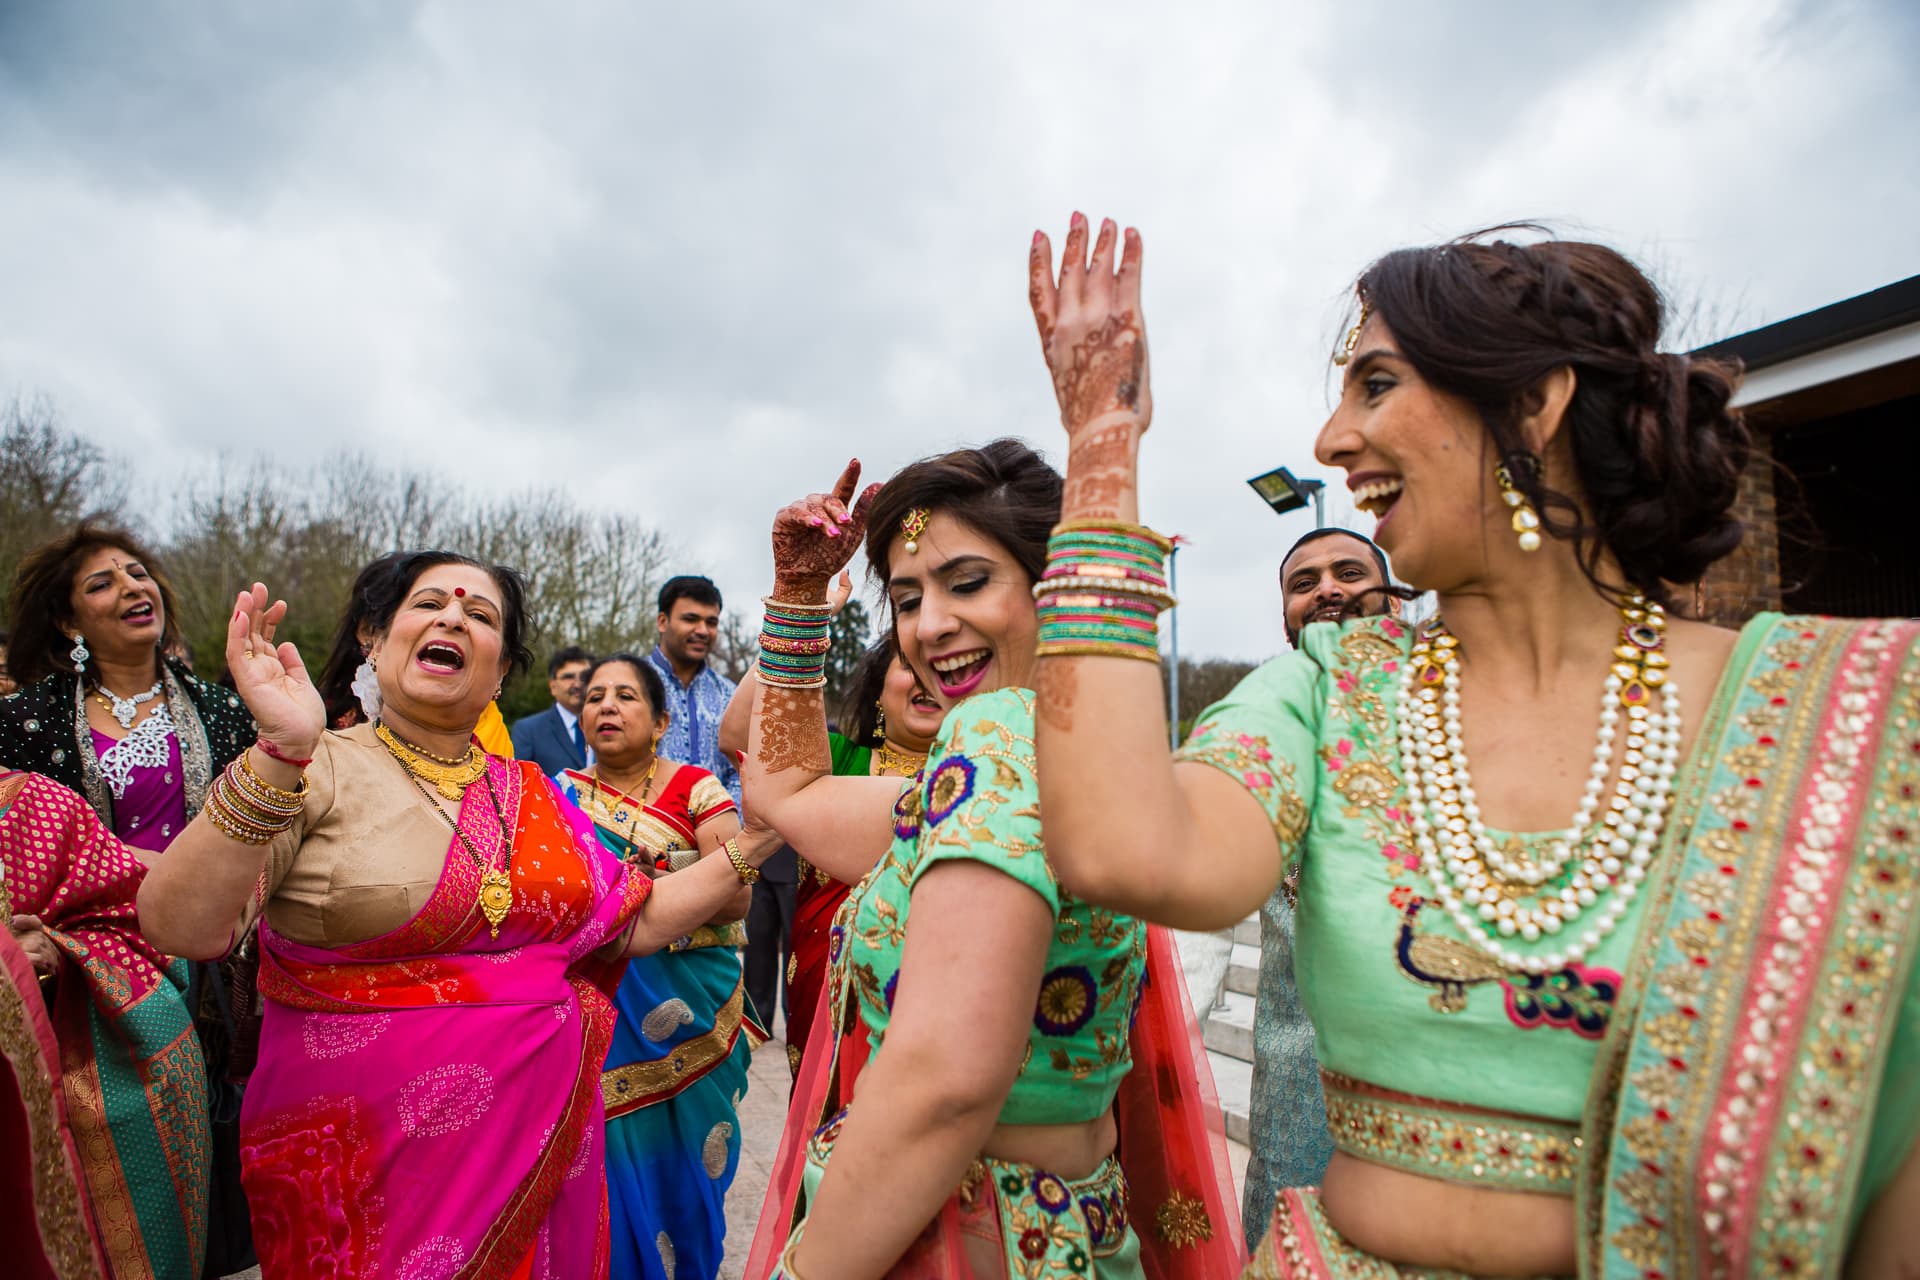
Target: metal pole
[1320,506]
[1173,636]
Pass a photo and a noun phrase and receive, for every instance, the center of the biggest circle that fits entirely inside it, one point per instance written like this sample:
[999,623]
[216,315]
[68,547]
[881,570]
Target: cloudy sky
[685,260]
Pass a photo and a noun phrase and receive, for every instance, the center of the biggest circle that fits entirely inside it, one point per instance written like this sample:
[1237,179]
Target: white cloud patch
[683,263]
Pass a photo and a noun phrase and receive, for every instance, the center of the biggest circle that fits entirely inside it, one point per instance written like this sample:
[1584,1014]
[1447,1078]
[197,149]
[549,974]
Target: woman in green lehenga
[1679,1035]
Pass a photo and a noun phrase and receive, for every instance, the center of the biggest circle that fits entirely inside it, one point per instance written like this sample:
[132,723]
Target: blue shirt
[693,732]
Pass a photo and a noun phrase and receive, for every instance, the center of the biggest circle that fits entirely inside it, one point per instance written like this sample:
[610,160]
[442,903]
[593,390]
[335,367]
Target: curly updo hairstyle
[1657,448]
[1004,490]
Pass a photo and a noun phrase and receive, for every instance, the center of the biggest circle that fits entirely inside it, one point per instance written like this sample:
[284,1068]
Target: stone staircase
[1226,1028]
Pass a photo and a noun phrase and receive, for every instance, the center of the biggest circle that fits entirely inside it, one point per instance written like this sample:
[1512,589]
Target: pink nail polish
[1079,219]
[1036,239]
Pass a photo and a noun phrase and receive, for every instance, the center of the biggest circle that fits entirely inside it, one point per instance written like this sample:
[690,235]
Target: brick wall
[1747,581]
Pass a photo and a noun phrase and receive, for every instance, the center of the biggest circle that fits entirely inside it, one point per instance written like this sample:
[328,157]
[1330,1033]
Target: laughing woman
[1679,1035]
[998,1125]
[441,938]
[677,1069]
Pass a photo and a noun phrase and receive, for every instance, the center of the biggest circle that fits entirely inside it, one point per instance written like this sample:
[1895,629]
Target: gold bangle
[278,798]
[1097,649]
[787,1271]
[748,873]
[1159,540]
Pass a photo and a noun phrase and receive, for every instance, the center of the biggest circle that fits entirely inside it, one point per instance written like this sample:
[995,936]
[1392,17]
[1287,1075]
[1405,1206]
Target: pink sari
[427,1103]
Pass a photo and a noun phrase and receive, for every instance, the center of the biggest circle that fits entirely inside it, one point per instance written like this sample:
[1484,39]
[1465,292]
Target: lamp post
[1284,492]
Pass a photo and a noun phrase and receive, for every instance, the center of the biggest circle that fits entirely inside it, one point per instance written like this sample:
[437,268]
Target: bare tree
[50,479]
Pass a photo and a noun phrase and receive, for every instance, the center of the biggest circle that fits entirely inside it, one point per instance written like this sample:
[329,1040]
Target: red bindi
[458,592]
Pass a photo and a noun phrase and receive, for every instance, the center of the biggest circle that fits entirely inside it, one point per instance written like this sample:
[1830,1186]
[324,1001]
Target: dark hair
[1656,446]
[1315,535]
[650,682]
[1004,490]
[860,704]
[561,657]
[347,653]
[376,596]
[42,601]
[689,586]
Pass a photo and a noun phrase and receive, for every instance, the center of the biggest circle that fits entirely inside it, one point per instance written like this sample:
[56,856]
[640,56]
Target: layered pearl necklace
[1492,897]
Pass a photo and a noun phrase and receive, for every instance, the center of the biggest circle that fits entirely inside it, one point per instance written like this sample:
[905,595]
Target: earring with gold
[1526,521]
[879,719]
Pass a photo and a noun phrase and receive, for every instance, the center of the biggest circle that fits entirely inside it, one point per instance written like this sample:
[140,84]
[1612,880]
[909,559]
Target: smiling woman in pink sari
[439,938]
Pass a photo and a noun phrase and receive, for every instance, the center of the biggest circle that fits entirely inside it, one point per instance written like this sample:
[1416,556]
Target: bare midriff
[1066,1151]
[1417,1221]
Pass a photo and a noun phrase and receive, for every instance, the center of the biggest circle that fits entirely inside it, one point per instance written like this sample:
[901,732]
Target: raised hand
[814,538]
[270,678]
[1094,337]
[1092,330]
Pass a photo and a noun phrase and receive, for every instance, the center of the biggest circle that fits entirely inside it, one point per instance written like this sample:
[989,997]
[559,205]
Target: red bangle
[274,753]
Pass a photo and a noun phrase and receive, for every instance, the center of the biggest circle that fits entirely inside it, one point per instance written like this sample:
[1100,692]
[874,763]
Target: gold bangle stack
[747,872]
[244,806]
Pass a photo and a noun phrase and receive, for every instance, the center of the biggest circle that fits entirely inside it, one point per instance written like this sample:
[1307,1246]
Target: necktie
[579,740]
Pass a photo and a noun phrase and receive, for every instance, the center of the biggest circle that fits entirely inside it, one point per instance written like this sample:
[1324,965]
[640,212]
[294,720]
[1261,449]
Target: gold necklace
[496,886]
[601,804]
[450,777]
[889,759]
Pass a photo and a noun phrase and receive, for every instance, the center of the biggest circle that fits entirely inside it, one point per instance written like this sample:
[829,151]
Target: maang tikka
[1526,521]
[912,525]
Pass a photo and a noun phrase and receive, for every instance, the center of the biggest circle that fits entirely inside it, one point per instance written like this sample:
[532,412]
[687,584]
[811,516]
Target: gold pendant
[496,896]
[450,789]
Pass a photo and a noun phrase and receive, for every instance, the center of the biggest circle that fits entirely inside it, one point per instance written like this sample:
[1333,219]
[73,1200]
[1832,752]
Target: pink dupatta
[427,1103]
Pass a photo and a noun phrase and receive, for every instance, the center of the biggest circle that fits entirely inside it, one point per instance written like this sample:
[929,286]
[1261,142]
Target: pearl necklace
[1491,897]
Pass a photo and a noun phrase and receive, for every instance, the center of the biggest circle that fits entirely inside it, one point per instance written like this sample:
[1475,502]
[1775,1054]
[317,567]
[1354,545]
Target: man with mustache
[1327,576]
[1332,574]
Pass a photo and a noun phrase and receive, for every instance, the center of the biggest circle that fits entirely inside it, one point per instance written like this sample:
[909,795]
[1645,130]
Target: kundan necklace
[125,709]
[449,777]
[1588,867]
[496,884]
[889,759]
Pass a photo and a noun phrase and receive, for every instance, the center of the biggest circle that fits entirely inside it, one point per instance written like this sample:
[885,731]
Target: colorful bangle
[794,641]
[1103,590]
[1096,649]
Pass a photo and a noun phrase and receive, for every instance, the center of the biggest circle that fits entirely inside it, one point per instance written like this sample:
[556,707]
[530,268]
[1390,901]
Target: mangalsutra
[496,884]
[620,814]
[1493,898]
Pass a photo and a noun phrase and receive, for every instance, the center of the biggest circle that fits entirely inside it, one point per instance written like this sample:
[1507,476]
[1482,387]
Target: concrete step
[1228,1029]
[1233,1079]
[1243,970]
[1247,931]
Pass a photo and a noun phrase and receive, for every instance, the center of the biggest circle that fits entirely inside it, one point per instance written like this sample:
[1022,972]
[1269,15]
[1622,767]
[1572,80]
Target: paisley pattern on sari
[428,1102]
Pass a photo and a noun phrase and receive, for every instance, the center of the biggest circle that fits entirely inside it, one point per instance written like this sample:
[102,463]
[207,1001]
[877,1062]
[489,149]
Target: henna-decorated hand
[1092,330]
[814,538]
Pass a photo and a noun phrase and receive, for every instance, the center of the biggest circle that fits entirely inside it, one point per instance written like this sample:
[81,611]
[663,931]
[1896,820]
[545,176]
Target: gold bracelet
[269,796]
[787,1271]
[1096,649]
[748,873]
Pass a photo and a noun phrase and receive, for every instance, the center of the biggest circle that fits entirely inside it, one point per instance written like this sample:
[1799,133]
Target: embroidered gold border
[57,1198]
[637,1084]
[1453,1141]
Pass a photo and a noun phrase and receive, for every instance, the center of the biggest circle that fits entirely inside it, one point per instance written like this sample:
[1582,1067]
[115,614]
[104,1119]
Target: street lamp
[1281,490]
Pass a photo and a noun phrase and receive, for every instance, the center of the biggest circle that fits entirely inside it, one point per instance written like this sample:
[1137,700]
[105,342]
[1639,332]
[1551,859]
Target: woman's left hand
[31,934]
[1092,329]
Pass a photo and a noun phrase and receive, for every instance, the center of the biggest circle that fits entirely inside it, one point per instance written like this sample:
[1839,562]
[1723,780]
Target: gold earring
[1526,521]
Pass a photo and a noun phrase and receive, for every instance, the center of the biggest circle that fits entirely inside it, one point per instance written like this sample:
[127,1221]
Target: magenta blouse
[144,773]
